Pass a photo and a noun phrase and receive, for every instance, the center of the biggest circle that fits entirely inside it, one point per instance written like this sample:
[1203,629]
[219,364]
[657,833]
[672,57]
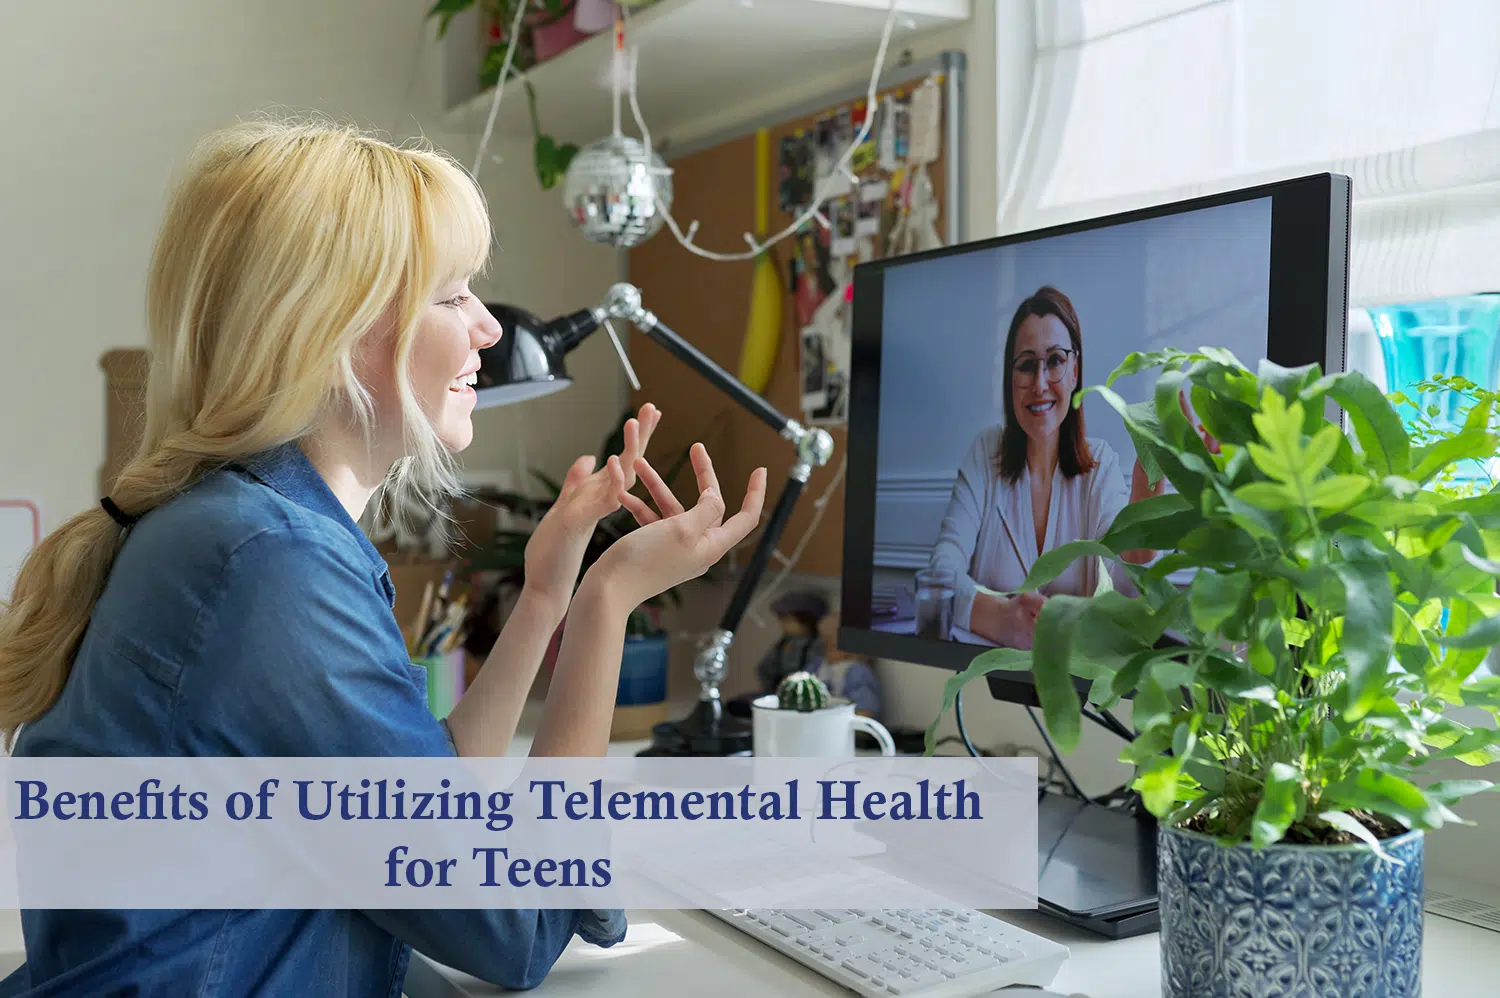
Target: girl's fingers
[738,526]
[665,500]
[579,472]
[631,450]
[643,513]
[703,466]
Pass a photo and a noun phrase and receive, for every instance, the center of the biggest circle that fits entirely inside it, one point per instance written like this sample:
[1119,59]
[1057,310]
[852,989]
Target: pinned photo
[814,371]
[871,201]
[811,277]
[842,214]
[797,171]
[826,149]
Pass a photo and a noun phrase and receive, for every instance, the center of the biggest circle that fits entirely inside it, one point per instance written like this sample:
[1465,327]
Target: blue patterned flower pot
[1290,921]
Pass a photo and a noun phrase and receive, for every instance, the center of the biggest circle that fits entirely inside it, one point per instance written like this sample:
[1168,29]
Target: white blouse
[988,536]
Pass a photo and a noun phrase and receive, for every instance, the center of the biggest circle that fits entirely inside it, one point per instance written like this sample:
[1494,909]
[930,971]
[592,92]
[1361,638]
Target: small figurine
[850,676]
[799,649]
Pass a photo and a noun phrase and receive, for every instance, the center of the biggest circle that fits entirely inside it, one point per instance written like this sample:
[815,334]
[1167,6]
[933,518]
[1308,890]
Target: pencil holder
[643,670]
[444,676]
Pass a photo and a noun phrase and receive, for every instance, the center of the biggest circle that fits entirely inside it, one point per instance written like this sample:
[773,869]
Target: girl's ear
[374,354]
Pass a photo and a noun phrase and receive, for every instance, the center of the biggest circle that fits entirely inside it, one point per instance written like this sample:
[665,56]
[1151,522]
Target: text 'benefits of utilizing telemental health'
[519,833]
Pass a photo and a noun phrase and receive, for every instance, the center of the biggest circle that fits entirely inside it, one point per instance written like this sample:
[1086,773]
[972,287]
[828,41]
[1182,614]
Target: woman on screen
[314,339]
[1032,483]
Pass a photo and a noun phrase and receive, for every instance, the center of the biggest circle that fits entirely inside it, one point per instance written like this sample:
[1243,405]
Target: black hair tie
[115,512]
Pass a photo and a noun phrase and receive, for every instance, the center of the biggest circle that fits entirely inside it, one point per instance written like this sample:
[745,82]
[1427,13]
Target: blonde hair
[288,241]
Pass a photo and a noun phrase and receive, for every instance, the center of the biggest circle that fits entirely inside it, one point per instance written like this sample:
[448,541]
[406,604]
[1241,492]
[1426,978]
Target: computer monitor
[952,395]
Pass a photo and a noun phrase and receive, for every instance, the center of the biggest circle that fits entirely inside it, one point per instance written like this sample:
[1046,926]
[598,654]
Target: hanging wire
[510,55]
[814,211]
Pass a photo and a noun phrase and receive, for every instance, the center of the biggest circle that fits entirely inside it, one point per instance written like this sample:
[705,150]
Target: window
[1159,100]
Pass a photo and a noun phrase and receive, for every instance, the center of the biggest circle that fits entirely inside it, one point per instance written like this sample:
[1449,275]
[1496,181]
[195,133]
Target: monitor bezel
[1307,323]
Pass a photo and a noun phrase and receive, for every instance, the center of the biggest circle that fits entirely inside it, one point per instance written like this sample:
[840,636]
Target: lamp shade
[527,363]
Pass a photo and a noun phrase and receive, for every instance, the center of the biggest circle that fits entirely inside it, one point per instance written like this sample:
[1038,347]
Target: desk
[685,954]
[956,634]
[690,953]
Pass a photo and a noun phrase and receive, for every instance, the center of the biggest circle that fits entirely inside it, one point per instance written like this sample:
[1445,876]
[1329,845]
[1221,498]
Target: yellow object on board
[763,329]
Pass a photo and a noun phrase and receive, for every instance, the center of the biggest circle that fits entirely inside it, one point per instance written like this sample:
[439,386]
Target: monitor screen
[967,460]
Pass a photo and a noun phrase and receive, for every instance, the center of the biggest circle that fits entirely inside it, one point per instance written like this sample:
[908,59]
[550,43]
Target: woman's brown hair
[1073,454]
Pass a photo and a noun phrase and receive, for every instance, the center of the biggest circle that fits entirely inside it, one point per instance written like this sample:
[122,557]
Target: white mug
[826,733]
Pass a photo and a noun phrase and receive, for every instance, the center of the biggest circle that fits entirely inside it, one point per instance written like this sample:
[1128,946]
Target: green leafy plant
[1338,605]
[505,554]
[1428,425]
[550,157]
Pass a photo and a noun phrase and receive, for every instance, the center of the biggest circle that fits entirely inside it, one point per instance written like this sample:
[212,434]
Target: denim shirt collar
[287,470]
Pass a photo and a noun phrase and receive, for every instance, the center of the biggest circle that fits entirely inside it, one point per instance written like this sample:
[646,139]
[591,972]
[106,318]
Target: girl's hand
[557,546]
[676,545]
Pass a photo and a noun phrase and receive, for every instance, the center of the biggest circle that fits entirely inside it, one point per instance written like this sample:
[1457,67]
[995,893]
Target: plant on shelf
[1291,700]
[550,158]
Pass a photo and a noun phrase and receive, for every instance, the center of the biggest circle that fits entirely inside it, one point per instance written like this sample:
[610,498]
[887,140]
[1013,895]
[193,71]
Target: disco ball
[611,190]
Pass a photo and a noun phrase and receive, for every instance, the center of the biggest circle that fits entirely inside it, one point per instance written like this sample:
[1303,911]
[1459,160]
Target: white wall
[106,100]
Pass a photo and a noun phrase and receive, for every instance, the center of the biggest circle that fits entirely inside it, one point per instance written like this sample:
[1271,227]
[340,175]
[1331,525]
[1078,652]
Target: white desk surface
[691,953]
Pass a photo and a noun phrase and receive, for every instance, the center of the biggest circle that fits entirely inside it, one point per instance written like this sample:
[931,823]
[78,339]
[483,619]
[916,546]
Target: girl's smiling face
[445,358]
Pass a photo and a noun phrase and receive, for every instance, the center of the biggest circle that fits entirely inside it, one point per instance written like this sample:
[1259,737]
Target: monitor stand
[1096,865]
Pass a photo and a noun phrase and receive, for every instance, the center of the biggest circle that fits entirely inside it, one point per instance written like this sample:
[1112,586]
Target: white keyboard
[945,953]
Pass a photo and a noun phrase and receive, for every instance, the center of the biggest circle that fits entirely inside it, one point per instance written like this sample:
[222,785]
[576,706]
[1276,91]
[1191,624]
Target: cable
[788,562]
[814,210]
[510,54]
[958,715]
[1109,722]
[1056,757]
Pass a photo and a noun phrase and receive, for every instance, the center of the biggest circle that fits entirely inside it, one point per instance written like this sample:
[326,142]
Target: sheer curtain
[1158,100]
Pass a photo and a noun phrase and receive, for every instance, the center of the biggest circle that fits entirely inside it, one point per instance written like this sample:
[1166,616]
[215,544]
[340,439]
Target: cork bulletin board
[708,302]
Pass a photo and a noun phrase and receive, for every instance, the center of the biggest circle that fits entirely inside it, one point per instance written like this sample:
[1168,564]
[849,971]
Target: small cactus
[802,691]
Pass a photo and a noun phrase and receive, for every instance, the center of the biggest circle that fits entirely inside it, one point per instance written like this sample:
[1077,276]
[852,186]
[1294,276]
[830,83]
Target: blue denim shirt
[250,616]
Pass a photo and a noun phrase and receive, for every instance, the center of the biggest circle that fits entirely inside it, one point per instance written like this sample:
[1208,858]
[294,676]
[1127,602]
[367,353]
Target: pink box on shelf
[552,39]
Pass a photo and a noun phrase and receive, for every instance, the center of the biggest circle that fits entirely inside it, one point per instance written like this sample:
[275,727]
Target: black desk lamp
[528,363]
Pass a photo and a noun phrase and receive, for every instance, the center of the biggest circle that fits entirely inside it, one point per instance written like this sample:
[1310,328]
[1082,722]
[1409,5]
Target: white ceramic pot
[827,733]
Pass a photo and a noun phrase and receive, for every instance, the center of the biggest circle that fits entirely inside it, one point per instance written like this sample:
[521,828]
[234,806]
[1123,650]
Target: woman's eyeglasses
[1054,363]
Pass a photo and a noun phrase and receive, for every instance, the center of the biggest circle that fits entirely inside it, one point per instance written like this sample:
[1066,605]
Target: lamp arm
[624,302]
[814,448]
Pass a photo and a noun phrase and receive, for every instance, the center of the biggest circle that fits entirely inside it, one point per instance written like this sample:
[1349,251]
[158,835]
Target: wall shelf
[697,58]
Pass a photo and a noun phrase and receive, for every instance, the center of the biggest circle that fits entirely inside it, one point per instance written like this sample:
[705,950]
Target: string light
[510,56]
[824,187]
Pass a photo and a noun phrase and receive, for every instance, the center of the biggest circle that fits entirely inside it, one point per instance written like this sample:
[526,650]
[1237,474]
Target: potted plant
[1338,606]
[643,670]
[550,158]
